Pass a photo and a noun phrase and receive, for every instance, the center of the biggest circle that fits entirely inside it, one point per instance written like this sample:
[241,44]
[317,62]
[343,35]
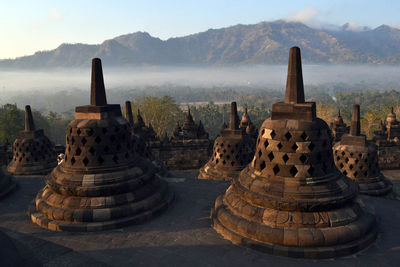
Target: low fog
[40,84]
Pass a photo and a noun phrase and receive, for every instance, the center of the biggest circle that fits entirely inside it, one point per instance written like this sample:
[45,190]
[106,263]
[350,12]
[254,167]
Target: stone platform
[182,236]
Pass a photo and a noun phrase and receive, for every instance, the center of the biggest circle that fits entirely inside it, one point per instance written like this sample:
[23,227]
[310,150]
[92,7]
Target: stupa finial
[29,125]
[97,90]
[234,119]
[355,121]
[128,112]
[294,83]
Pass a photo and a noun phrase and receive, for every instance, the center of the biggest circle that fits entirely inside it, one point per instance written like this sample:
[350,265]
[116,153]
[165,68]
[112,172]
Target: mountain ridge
[261,43]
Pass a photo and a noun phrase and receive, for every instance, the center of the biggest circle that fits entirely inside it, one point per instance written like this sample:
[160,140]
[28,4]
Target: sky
[35,25]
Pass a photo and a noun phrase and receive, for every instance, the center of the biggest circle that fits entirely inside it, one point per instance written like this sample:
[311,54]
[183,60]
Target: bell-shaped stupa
[232,151]
[291,200]
[103,183]
[357,158]
[33,153]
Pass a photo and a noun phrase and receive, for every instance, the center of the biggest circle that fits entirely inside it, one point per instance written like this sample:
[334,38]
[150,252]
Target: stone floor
[181,236]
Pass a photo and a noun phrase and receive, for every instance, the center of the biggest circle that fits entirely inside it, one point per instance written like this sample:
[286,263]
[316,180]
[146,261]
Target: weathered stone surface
[33,153]
[357,158]
[339,128]
[232,151]
[291,200]
[387,138]
[103,182]
[188,148]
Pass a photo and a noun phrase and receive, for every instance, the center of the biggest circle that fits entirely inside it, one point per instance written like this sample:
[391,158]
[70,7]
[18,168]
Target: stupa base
[234,229]
[30,171]
[146,214]
[209,173]
[378,186]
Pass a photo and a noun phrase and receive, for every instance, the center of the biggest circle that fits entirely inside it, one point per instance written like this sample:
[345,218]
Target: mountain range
[262,43]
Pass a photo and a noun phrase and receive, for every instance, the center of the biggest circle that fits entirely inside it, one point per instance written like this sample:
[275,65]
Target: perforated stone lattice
[293,153]
[357,164]
[99,146]
[27,151]
[231,153]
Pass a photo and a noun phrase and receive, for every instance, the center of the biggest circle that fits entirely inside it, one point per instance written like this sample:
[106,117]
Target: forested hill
[262,43]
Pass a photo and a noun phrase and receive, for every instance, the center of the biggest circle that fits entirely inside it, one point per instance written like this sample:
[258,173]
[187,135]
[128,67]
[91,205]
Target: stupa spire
[234,119]
[294,83]
[128,112]
[97,90]
[29,125]
[355,121]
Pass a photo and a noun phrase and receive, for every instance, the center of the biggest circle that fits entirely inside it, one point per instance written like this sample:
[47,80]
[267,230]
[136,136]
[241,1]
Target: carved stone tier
[33,153]
[291,200]
[357,158]
[232,151]
[103,182]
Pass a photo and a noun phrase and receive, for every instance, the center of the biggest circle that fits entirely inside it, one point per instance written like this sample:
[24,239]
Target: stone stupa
[357,158]
[291,200]
[339,127]
[33,153]
[232,151]
[103,183]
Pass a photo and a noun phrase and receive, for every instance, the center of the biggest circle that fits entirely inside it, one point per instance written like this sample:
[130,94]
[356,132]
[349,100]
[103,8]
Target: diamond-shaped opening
[345,172]
[293,171]
[337,158]
[304,136]
[232,151]
[78,132]
[271,156]
[237,157]
[224,162]
[266,143]
[112,138]
[216,161]
[311,146]
[343,153]
[285,158]
[356,161]
[83,141]
[27,159]
[91,150]
[351,166]
[98,139]
[229,145]
[262,165]
[276,169]
[70,130]
[303,158]
[23,155]
[228,157]
[89,132]
[311,170]
[366,173]
[273,134]
[351,154]
[259,153]
[20,159]
[359,155]
[355,174]
[100,160]
[288,136]
[224,151]
[72,140]
[78,151]
[85,161]
[222,144]
[218,150]
[295,147]
[232,163]
[279,145]
[346,160]
[115,159]
[73,161]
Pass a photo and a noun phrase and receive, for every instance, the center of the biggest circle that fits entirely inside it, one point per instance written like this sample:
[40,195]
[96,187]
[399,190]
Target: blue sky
[29,26]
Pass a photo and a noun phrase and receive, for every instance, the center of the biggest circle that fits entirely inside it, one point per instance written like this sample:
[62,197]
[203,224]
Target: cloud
[310,16]
[54,15]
